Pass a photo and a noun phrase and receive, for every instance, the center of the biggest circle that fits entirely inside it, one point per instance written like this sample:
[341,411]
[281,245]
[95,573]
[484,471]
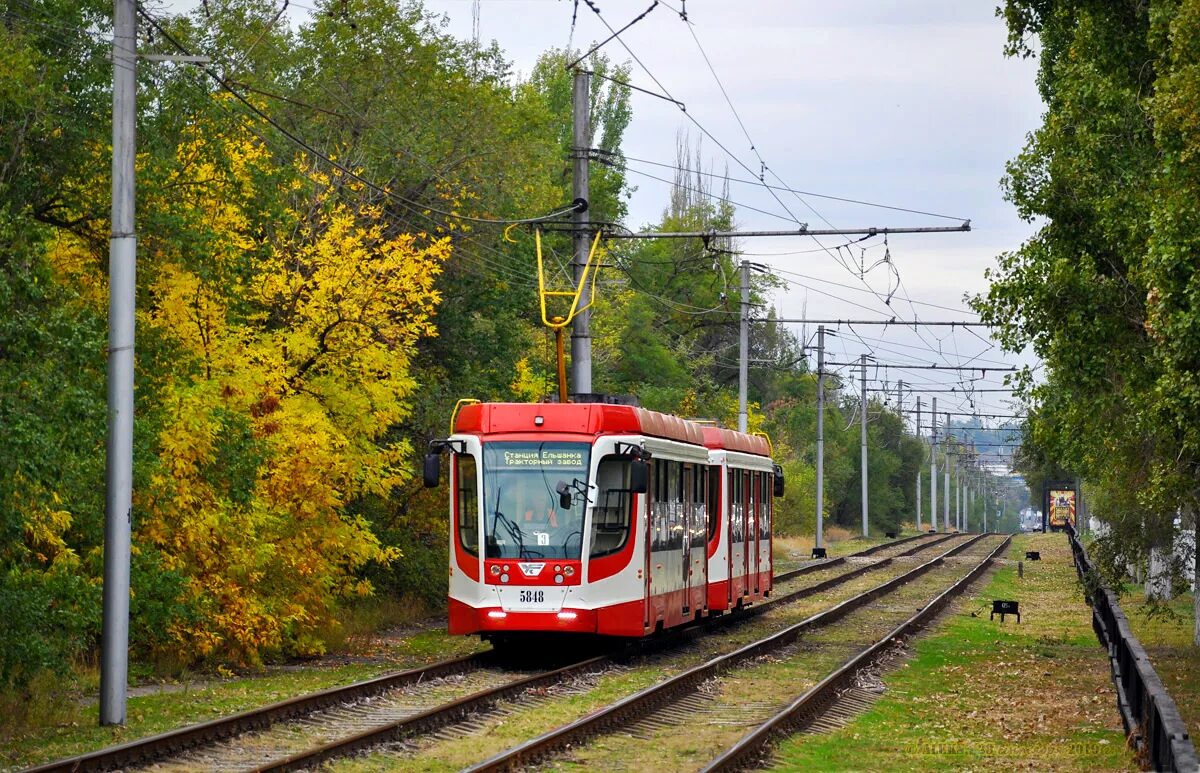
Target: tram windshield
[522,512]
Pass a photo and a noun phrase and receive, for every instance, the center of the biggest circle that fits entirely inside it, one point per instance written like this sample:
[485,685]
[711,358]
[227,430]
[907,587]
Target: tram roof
[718,438]
[599,419]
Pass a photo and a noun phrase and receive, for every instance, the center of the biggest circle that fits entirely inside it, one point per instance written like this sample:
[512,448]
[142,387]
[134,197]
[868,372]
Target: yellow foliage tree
[285,313]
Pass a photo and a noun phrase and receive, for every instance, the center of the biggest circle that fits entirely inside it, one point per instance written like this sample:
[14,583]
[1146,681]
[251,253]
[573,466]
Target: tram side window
[658,497]
[675,482]
[611,516]
[699,506]
[466,502]
[764,519]
[736,510]
[750,480]
[666,505]
[714,501]
[756,505]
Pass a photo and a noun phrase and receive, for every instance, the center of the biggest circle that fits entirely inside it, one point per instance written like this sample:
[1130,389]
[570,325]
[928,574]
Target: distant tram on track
[603,519]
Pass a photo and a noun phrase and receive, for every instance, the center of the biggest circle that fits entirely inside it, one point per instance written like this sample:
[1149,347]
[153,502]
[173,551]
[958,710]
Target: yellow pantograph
[558,322]
[546,296]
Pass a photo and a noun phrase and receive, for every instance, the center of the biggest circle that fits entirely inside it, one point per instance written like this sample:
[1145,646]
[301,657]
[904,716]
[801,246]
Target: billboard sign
[1059,505]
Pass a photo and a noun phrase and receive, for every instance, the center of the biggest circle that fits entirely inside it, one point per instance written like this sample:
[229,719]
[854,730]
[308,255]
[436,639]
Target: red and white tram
[593,518]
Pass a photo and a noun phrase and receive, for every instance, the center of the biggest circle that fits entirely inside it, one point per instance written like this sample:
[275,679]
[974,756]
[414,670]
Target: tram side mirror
[639,476]
[564,495]
[433,470]
[778,491]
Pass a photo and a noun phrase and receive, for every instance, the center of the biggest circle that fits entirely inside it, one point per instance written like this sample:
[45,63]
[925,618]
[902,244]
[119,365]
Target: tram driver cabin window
[466,502]
[610,516]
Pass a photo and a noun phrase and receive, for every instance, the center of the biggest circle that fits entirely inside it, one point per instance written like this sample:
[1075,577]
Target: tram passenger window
[714,500]
[699,511]
[658,504]
[736,508]
[466,503]
[611,515]
[743,510]
[764,507]
[754,500]
[675,482]
[748,507]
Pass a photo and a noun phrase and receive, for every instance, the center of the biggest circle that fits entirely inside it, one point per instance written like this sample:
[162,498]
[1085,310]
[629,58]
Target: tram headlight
[558,578]
[569,571]
[504,578]
[495,569]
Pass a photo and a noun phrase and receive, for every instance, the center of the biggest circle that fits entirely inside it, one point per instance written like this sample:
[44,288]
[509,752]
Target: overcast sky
[907,104]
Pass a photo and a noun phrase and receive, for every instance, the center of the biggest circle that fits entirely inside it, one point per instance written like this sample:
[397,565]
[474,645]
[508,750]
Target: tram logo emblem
[531,570]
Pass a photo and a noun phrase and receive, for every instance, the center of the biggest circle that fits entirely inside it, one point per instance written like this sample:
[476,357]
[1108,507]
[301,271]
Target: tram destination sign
[557,458]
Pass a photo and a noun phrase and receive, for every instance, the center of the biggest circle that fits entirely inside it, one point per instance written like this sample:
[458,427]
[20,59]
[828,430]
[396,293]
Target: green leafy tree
[1104,291]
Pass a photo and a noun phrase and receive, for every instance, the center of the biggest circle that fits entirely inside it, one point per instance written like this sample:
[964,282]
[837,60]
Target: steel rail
[817,566]
[886,545]
[924,545]
[172,742]
[753,745]
[482,700]
[153,747]
[428,720]
[637,705]
[796,595]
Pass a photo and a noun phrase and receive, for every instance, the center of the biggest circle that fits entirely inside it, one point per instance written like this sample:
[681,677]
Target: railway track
[807,709]
[910,545]
[300,732]
[626,714]
[145,750]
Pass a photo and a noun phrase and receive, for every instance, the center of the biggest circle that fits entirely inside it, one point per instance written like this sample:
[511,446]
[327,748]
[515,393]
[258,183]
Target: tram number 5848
[533,596]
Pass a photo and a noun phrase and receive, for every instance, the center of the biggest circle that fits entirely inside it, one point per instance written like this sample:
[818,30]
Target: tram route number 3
[533,596]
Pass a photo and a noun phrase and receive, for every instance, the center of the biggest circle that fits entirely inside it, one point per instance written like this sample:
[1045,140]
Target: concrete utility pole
[946,503]
[744,348]
[581,328]
[970,507]
[863,411]
[820,435]
[968,500]
[918,466]
[933,519]
[958,498]
[122,267]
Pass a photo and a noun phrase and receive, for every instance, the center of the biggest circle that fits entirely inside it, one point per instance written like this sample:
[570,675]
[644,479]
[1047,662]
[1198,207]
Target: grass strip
[979,694]
[157,708]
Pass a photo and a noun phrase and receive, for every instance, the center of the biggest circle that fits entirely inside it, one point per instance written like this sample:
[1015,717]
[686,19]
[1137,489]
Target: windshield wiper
[511,528]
